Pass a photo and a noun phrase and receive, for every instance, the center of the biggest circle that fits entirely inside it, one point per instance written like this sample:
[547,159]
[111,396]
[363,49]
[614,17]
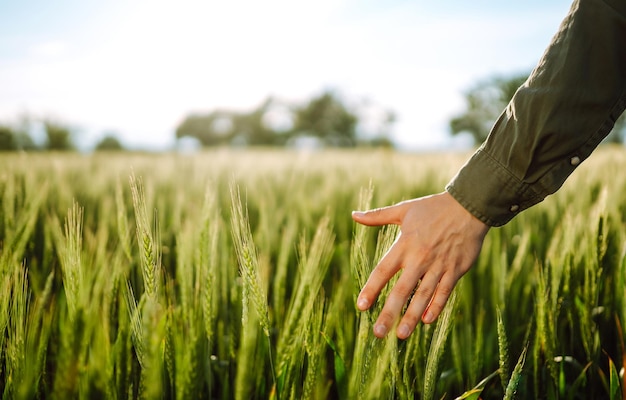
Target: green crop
[234,274]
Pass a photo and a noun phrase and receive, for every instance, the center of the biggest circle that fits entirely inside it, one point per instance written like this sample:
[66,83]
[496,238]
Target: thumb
[380,216]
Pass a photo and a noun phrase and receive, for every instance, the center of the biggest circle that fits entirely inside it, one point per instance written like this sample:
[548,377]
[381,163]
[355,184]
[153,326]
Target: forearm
[555,120]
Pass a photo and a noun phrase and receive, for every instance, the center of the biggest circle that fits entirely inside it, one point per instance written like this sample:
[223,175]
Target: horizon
[140,69]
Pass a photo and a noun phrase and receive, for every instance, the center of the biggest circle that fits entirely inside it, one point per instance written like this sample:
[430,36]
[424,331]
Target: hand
[439,241]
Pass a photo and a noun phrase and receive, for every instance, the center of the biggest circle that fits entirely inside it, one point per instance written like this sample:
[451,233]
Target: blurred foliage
[326,118]
[14,139]
[7,139]
[109,143]
[58,137]
[486,100]
[51,135]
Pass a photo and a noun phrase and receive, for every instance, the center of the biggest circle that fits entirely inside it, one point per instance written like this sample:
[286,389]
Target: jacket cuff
[489,191]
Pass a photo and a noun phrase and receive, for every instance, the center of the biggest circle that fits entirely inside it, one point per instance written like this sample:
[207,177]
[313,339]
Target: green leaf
[614,385]
[340,366]
[581,380]
[474,394]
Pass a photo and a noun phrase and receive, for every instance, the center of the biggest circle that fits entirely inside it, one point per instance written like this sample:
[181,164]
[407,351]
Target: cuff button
[574,161]
[514,208]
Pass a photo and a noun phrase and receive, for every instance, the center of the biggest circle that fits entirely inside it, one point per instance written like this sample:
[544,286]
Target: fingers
[442,294]
[396,301]
[380,216]
[421,298]
[386,268]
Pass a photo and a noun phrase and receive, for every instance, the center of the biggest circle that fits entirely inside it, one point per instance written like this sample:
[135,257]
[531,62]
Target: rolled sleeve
[555,120]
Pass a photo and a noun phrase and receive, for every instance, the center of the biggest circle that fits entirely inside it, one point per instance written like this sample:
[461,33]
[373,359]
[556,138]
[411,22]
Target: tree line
[485,101]
[57,137]
[324,120]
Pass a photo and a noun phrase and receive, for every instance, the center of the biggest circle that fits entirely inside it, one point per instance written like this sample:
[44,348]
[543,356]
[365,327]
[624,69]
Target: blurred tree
[485,103]
[213,129]
[58,137]
[380,141]
[274,123]
[109,143]
[24,141]
[7,139]
[222,127]
[14,139]
[327,118]
[252,129]
[487,99]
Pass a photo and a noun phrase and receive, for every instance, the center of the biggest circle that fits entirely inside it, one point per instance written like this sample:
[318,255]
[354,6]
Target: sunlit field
[234,274]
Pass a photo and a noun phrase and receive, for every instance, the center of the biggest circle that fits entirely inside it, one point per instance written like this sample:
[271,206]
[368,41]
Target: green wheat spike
[149,251]
[248,263]
[5,302]
[437,346]
[210,287]
[280,283]
[73,276]
[169,355]
[136,325]
[503,351]
[16,355]
[314,350]
[15,245]
[516,376]
[311,273]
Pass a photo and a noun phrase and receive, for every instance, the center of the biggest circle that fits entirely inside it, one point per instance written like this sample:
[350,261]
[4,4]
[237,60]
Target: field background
[233,274]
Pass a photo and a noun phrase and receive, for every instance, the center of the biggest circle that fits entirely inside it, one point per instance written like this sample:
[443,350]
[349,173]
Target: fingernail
[403,331]
[358,213]
[380,330]
[363,304]
[428,317]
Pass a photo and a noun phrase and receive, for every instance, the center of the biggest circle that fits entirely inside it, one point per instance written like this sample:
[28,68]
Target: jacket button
[574,161]
[514,208]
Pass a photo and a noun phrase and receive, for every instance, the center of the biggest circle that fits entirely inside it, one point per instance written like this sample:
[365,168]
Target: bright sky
[139,67]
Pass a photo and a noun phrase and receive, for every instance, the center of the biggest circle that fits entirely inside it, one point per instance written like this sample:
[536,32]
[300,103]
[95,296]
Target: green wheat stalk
[311,272]
[122,222]
[252,291]
[437,347]
[503,351]
[136,326]
[313,344]
[37,328]
[148,243]
[5,302]
[516,376]
[73,275]
[208,259]
[14,246]
[248,263]
[16,355]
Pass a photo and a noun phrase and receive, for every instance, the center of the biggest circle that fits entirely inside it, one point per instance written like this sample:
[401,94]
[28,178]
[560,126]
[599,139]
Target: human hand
[439,241]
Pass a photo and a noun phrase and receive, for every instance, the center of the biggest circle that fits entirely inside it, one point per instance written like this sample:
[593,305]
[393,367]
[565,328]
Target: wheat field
[233,274]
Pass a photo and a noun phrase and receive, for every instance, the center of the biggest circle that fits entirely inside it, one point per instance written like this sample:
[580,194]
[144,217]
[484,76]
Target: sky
[139,67]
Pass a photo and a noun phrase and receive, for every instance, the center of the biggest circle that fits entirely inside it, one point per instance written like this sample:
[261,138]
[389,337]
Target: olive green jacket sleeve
[555,120]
